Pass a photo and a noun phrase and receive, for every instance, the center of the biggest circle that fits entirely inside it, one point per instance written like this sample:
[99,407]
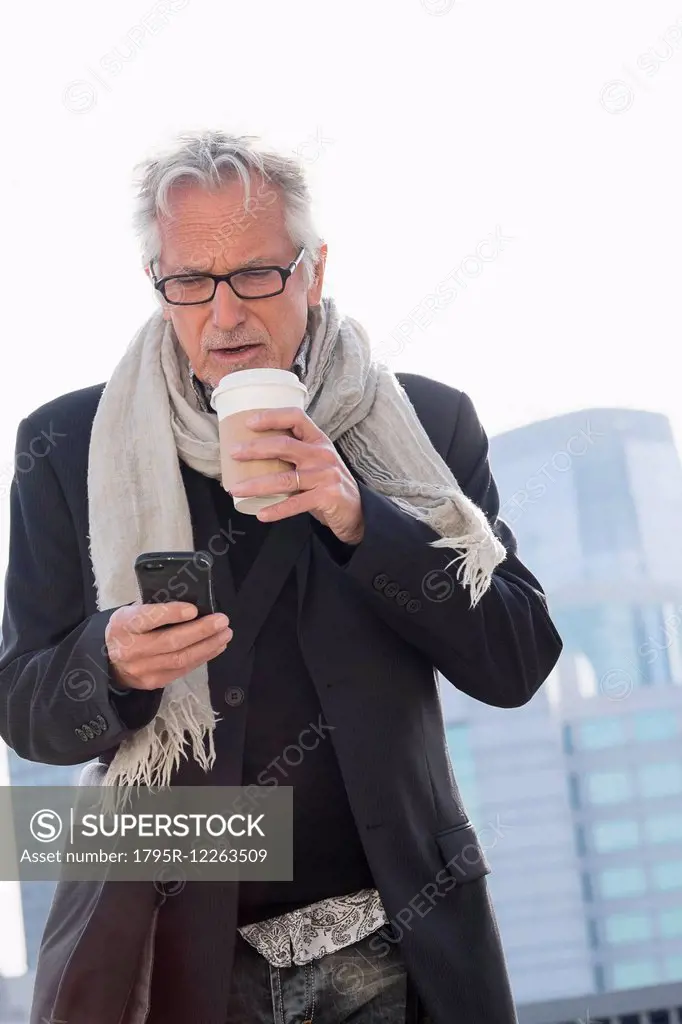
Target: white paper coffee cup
[238,395]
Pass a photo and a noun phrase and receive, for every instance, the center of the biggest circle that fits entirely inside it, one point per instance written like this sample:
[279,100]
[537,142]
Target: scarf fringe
[479,551]
[150,757]
[477,563]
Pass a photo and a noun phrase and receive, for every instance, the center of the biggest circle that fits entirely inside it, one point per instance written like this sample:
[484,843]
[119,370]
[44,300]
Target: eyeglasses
[193,289]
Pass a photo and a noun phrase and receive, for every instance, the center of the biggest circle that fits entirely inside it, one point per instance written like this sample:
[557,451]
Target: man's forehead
[190,204]
[203,228]
[216,263]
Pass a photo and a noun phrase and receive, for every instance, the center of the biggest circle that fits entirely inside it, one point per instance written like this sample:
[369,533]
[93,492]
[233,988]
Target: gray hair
[210,159]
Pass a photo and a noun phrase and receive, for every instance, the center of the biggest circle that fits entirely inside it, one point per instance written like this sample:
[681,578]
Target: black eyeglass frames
[191,289]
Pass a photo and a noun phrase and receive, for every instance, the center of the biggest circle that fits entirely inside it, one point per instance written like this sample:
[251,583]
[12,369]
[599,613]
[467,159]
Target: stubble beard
[266,356]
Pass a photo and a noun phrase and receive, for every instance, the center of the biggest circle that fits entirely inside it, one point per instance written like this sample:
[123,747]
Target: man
[386,562]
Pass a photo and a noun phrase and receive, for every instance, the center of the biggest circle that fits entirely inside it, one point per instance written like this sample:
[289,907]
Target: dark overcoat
[372,628]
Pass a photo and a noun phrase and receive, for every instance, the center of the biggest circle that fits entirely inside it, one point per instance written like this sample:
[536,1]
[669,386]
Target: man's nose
[227,309]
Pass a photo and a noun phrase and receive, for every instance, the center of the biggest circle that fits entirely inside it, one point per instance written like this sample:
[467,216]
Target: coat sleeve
[499,652]
[55,703]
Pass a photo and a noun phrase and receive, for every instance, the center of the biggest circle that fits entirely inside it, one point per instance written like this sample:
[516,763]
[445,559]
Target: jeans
[352,986]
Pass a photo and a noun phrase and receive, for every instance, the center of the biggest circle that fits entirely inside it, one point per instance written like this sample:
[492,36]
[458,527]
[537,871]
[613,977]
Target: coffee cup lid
[257,376]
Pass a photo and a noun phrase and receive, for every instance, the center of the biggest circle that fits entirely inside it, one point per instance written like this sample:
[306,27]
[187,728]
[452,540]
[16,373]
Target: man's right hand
[146,659]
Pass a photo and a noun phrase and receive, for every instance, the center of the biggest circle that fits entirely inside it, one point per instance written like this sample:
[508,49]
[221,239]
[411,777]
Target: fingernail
[188,613]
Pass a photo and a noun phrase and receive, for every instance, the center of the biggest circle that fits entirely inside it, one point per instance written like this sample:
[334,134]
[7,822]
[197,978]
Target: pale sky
[427,127]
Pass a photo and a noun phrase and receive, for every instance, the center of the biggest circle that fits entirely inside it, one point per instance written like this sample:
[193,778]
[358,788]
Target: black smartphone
[165,576]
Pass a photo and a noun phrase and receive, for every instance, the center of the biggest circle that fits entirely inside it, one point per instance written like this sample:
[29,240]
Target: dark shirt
[283,717]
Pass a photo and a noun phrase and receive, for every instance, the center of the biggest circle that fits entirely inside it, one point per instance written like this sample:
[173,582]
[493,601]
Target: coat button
[402,597]
[95,726]
[81,735]
[391,589]
[102,723]
[234,696]
[380,581]
[88,731]
[413,606]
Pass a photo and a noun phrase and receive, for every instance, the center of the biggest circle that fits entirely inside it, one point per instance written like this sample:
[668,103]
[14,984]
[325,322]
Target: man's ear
[165,309]
[315,288]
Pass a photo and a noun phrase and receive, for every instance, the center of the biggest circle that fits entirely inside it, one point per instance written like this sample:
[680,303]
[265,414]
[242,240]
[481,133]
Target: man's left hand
[327,488]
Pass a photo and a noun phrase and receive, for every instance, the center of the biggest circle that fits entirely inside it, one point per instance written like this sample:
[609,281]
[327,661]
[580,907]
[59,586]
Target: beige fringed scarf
[149,415]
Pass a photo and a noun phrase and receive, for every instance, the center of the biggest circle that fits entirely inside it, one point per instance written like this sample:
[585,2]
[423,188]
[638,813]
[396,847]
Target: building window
[615,835]
[574,791]
[605,637]
[580,844]
[627,928]
[592,933]
[586,881]
[673,968]
[664,828]
[668,875]
[459,742]
[633,973]
[655,725]
[567,734]
[671,923]
[662,779]
[616,882]
[609,787]
[598,733]
[599,979]
[607,515]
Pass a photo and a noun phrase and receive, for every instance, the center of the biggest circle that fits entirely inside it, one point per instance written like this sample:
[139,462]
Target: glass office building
[580,792]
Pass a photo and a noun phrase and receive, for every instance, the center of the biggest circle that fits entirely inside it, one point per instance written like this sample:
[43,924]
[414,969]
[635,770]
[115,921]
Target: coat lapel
[280,552]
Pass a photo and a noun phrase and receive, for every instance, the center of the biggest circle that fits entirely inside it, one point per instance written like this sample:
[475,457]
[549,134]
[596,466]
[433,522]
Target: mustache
[234,339]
